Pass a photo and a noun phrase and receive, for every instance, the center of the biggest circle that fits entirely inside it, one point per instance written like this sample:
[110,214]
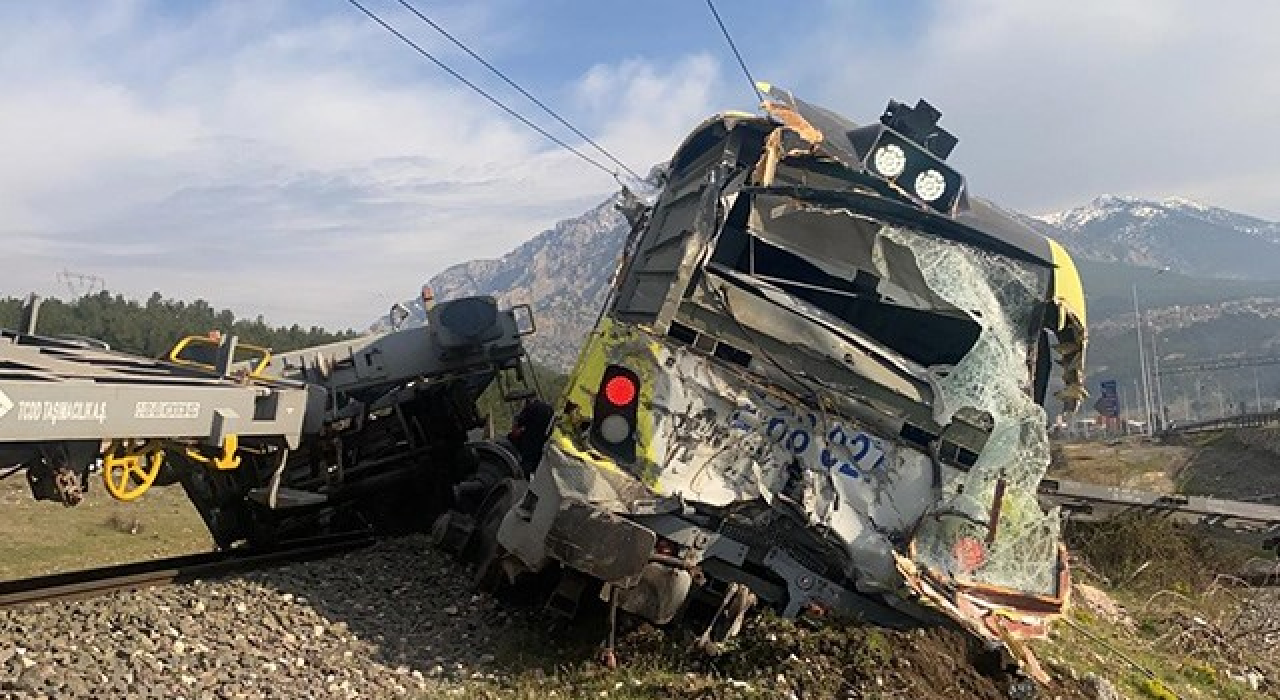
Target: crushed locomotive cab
[817,385]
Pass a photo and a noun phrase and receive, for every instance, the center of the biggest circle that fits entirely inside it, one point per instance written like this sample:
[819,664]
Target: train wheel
[487,551]
[219,497]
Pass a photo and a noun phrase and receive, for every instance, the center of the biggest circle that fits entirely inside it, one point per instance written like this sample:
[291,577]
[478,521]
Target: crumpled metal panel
[598,542]
[712,438]
[1072,328]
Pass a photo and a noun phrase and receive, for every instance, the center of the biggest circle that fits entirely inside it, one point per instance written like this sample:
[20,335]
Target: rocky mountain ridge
[564,272]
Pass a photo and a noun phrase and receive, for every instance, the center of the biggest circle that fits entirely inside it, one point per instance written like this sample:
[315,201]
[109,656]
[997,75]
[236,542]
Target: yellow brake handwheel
[129,476]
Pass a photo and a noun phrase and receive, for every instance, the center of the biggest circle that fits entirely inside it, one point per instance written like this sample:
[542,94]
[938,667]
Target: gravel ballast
[398,619]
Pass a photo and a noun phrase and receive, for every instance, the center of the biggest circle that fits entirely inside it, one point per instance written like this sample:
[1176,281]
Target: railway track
[88,583]
[1244,420]
[1260,573]
[1083,501]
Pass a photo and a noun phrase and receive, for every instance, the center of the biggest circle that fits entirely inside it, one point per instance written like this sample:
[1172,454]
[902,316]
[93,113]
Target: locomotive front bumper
[599,543]
[569,514]
[617,544]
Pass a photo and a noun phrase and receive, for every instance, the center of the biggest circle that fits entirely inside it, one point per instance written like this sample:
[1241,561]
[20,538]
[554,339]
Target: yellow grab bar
[193,343]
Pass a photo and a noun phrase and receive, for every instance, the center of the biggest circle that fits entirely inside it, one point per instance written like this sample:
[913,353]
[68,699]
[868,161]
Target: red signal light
[620,391]
[614,414]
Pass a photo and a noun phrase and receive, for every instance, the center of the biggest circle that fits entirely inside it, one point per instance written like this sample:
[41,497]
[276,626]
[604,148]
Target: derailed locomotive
[816,384]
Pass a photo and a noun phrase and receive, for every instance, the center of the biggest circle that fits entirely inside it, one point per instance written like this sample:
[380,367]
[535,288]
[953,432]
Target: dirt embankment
[1131,463]
[1239,464]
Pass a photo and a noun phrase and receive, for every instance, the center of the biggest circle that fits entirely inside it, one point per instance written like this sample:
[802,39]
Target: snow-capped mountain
[1186,236]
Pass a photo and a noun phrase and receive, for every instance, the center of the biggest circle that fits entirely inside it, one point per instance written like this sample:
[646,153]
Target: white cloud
[281,179]
[646,109]
[1055,103]
[72,136]
[311,167]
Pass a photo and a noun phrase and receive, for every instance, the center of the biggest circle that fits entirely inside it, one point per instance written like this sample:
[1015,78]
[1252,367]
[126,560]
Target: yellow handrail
[201,341]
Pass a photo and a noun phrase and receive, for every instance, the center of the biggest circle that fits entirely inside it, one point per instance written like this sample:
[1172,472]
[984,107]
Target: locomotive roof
[994,227]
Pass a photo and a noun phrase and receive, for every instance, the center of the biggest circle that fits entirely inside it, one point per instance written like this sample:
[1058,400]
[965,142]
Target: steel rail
[1244,420]
[89,583]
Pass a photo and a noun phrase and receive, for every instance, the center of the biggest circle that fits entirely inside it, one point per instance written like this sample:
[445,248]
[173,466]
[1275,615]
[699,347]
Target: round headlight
[889,160]
[930,185]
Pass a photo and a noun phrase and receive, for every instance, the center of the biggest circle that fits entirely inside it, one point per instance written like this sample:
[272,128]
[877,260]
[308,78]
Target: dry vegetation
[1171,621]
[1186,627]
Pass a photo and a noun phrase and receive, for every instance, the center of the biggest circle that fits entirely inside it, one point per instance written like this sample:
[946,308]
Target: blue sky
[290,158]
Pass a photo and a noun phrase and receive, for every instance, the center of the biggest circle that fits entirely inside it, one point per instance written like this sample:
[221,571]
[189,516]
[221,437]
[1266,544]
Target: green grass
[40,537]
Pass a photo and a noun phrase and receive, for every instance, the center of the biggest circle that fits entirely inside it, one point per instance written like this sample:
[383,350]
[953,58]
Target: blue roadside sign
[1108,403]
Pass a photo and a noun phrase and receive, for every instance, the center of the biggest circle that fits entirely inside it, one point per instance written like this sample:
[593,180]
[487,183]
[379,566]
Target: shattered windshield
[990,529]
[860,272]
[969,314]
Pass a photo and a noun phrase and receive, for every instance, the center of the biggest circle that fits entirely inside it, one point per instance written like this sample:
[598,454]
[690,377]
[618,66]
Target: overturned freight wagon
[816,384]
[367,432]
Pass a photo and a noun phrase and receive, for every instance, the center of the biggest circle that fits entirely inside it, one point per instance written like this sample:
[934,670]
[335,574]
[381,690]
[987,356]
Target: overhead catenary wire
[745,71]
[480,91]
[521,90]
